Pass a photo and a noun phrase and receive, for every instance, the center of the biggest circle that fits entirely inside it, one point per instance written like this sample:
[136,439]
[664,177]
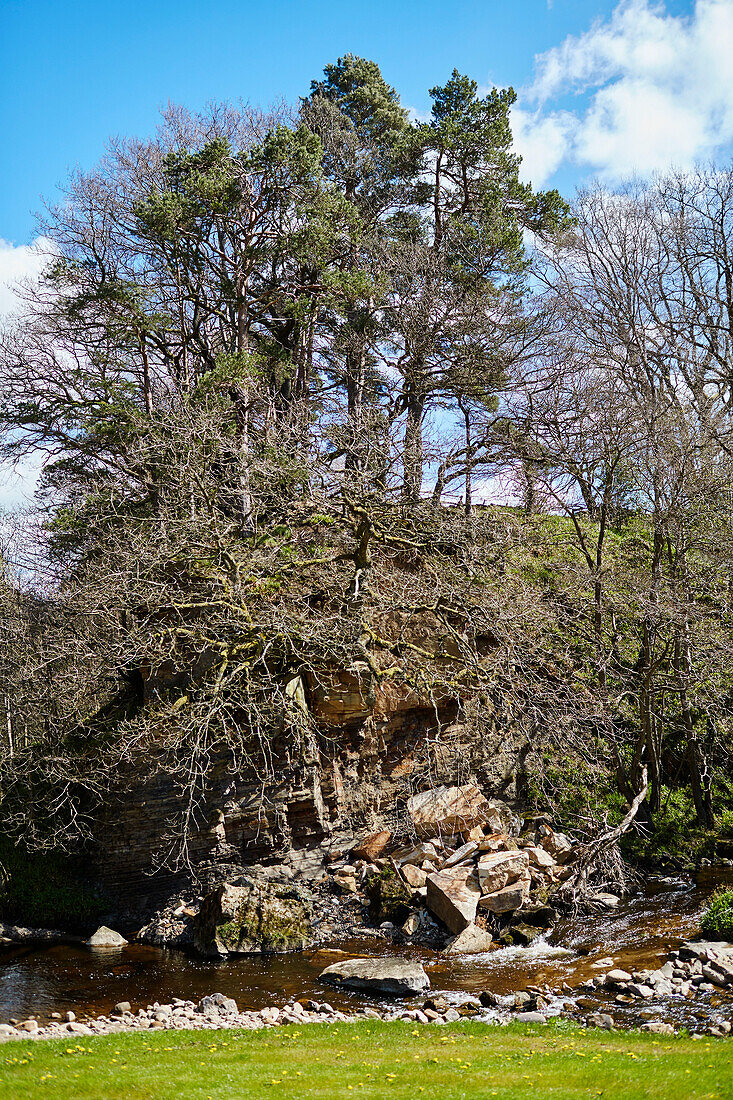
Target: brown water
[40,980]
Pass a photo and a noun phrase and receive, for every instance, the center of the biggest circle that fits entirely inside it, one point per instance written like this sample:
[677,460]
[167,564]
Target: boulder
[616,977]
[254,918]
[507,900]
[453,897]
[389,977]
[541,916]
[658,1027]
[497,869]
[106,937]
[523,934]
[414,876]
[557,844]
[471,941]
[530,1018]
[540,857]
[449,810]
[602,1020]
[608,901]
[372,846]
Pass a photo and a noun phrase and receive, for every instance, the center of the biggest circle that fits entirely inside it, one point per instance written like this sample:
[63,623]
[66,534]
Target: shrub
[717,919]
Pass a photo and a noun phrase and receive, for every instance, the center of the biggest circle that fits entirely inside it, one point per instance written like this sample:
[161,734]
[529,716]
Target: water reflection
[640,933]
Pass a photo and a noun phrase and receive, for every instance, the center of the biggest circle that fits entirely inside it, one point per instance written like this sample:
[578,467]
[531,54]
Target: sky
[606,88]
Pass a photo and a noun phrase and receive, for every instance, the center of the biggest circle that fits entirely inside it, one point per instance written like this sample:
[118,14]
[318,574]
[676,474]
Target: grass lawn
[370,1060]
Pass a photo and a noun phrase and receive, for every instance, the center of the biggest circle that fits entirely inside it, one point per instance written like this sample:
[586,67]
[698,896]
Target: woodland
[326,386]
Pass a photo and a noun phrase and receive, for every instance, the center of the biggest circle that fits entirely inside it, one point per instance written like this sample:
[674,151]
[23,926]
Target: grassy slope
[371,1060]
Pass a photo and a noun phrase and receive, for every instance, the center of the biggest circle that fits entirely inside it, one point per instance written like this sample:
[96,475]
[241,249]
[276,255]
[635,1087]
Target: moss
[261,928]
[390,898]
[46,890]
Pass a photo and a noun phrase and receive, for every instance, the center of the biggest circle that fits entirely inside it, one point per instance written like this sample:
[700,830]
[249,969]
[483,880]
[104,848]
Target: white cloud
[17,263]
[542,140]
[652,90]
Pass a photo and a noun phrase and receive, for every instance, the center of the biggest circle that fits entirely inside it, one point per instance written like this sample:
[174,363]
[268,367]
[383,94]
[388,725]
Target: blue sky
[607,88]
[73,72]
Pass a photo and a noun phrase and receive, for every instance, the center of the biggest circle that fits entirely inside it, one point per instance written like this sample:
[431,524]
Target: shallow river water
[40,980]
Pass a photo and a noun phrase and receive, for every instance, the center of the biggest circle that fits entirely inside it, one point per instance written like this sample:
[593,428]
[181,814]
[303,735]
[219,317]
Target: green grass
[371,1060]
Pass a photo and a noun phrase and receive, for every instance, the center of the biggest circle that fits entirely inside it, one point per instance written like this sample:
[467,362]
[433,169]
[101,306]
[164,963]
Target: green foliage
[45,890]
[717,920]
[674,838]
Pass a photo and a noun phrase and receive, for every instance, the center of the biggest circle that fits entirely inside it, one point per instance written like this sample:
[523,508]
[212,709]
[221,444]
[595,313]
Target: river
[38,980]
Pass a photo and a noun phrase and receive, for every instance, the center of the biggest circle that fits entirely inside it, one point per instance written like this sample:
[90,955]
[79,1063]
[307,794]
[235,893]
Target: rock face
[390,977]
[453,897]
[255,918]
[449,810]
[106,937]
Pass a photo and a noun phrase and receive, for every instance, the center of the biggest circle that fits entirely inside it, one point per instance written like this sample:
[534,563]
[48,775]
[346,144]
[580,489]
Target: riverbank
[371,1059]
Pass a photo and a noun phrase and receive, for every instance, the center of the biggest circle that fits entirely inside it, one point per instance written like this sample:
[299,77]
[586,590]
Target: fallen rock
[557,844]
[540,857]
[450,810]
[497,869]
[415,854]
[345,881]
[414,876]
[471,941]
[122,1007]
[373,846]
[507,900]
[256,918]
[106,937]
[391,977]
[453,897]
[608,901]
[461,855]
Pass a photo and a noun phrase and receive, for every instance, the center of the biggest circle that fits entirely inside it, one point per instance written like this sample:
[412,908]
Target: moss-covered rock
[254,918]
[389,897]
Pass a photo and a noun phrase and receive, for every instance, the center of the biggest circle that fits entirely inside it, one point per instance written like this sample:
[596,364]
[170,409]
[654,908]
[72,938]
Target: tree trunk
[413,460]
